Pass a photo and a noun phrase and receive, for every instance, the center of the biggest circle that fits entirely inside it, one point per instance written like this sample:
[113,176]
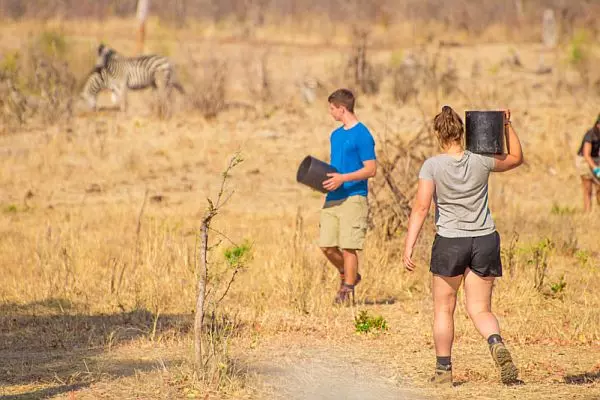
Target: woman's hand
[514,156]
[407,258]
[506,116]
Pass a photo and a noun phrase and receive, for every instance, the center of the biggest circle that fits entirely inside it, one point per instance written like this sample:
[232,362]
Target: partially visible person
[587,163]
[467,245]
[343,222]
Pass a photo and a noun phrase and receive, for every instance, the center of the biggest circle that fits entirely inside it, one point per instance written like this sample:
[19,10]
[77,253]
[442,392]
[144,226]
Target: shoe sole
[508,370]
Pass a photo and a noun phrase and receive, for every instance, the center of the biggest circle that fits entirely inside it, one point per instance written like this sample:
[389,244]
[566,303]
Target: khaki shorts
[583,168]
[344,223]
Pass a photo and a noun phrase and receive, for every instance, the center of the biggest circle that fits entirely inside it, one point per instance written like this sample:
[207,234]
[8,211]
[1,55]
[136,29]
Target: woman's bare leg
[444,303]
[586,184]
[478,292]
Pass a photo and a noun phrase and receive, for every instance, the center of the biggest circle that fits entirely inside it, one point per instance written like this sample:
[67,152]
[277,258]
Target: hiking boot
[345,294]
[442,376]
[508,370]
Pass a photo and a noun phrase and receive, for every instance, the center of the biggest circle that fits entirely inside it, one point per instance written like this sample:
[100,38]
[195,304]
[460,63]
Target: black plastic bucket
[485,132]
[313,172]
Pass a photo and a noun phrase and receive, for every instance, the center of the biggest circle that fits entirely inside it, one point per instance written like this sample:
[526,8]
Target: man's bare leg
[334,255]
[350,265]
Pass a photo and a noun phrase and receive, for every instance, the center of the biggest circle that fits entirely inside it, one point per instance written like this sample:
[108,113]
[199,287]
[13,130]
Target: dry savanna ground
[100,214]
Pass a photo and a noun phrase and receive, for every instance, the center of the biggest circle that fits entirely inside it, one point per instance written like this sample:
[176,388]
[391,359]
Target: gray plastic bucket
[313,172]
[485,132]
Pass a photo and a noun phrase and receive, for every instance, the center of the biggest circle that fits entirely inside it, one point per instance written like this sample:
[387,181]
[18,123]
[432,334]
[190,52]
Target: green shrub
[364,323]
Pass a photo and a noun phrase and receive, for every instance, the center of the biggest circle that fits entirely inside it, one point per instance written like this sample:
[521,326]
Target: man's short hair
[342,97]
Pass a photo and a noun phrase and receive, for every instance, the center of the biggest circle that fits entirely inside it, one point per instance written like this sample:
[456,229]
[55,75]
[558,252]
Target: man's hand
[407,258]
[335,181]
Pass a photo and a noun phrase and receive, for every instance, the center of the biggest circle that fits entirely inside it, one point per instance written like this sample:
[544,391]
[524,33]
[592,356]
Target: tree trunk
[199,320]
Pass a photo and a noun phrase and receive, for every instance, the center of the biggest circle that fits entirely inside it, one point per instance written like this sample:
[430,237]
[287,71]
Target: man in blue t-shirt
[343,223]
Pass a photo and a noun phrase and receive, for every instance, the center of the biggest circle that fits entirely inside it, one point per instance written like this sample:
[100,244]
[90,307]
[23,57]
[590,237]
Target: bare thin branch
[224,236]
[235,272]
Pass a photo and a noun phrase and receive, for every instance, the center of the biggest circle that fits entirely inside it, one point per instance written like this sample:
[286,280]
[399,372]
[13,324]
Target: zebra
[120,74]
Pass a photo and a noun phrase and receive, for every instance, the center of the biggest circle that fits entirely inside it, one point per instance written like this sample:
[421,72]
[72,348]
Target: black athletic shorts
[452,256]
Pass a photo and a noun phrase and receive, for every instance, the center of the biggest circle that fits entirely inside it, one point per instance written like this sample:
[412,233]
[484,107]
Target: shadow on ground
[45,393]
[53,342]
[583,379]
[378,301]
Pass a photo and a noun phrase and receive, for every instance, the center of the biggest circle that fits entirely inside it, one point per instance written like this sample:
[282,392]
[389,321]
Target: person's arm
[418,214]
[336,180]
[587,154]
[514,157]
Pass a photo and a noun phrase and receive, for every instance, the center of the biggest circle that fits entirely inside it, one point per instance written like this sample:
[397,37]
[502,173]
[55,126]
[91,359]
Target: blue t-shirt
[349,149]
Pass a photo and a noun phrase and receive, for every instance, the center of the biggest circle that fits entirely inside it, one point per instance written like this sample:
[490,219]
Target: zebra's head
[105,53]
[93,84]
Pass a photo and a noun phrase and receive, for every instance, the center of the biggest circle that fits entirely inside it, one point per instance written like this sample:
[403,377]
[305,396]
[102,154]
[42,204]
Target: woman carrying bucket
[467,246]
[588,165]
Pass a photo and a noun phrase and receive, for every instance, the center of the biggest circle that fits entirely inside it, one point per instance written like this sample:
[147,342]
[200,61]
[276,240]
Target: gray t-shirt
[461,194]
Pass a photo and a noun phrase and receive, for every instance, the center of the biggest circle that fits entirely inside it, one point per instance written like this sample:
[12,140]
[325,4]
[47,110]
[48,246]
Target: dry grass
[91,307]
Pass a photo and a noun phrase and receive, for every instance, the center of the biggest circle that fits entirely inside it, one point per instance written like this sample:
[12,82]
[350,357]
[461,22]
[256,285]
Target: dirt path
[324,373]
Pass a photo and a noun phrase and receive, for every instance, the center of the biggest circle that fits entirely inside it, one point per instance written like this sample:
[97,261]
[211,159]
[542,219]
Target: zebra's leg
[116,96]
[162,83]
[91,102]
[124,99]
